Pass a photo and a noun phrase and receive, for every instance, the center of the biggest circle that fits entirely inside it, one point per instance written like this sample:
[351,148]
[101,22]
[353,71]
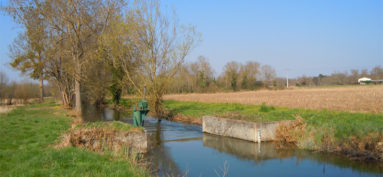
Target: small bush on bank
[265,108]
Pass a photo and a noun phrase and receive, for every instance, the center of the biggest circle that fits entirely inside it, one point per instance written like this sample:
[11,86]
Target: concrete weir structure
[250,131]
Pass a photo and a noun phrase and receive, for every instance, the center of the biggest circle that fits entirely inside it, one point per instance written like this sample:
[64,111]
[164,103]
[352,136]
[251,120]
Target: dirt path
[6,109]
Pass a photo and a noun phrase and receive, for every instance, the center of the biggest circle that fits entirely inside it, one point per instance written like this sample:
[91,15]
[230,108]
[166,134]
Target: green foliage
[116,91]
[233,82]
[265,108]
[26,148]
[202,80]
[245,83]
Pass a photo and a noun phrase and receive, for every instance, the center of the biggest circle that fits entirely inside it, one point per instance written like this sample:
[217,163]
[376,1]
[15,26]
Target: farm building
[364,80]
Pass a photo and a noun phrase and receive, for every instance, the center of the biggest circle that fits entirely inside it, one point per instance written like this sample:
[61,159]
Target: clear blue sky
[304,36]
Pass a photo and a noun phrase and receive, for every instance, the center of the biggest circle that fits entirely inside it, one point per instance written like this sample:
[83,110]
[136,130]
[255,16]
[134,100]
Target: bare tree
[377,73]
[231,74]
[161,46]
[118,51]
[202,73]
[305,81]
[3,84]
[28,50]
[3,79]
[248,73]
[364,73]
[268,74]
[80,22]
[354,76]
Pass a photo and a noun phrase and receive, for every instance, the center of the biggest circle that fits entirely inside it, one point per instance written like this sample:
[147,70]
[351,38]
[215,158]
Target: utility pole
[287,78]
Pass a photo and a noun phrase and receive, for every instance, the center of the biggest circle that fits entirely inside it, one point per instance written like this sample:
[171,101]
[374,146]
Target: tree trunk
[10,101]
[66,96]
[77,87]
[77,92]
[65,100]
[157,109]
[41,89]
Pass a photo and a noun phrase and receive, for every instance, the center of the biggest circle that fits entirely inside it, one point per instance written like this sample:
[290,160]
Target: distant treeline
[199,77]
[20,91]
[341,78]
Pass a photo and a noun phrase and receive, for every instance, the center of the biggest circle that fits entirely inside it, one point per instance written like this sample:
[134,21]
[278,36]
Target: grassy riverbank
[358,134]
[28,134]
[345,123]
[341,124]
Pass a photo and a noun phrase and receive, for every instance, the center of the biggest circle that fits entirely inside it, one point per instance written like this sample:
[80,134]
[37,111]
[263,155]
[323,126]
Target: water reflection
[260,152]
[92,114]
[178,148]
[245,149]
[159,156]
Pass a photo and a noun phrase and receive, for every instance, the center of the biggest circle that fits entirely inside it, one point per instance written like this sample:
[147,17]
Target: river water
[179,149]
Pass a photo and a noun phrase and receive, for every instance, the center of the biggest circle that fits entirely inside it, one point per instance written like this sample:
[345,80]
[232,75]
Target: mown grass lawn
[27,135]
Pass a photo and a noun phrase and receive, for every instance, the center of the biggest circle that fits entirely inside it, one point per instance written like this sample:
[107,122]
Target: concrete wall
[245,130]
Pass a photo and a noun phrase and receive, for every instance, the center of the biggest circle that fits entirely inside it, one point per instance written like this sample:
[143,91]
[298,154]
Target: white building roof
[364,79]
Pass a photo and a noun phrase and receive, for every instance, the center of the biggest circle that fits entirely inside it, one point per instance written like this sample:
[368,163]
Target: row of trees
[199,77]
[341,78]
[13,92]
[88,48]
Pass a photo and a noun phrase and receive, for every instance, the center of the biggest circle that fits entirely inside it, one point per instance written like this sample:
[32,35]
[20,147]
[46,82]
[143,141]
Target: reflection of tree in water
[159,156]
[116,115]
[90,113]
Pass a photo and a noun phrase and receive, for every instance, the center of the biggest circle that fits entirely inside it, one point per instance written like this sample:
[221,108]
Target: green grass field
[27,136]
[341,124]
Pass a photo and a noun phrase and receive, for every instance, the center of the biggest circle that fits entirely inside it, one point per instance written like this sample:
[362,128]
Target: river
[179,149]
